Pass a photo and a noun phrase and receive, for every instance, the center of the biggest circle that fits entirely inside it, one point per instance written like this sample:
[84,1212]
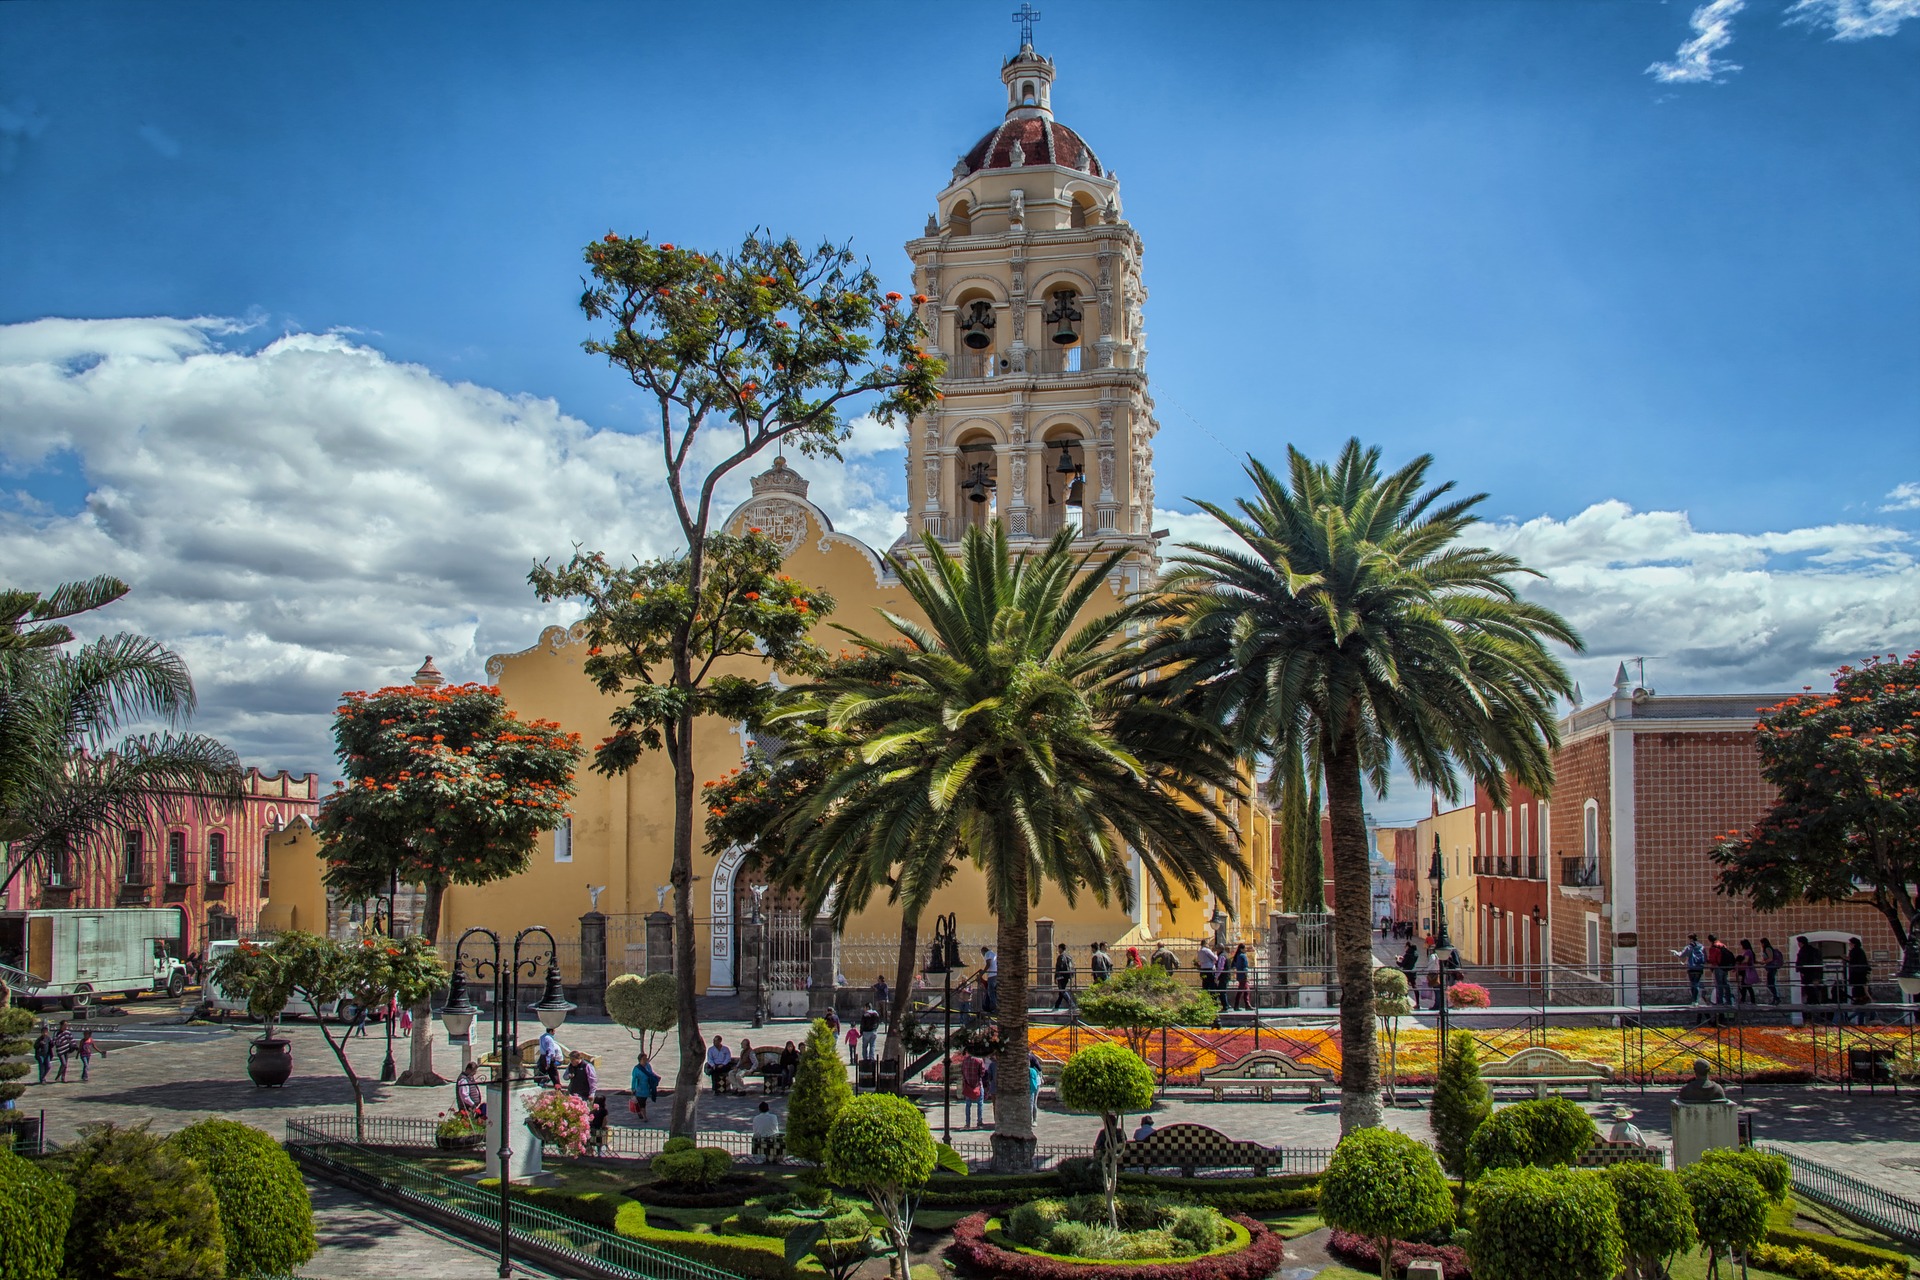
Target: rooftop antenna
[1026,15]
[1640,666]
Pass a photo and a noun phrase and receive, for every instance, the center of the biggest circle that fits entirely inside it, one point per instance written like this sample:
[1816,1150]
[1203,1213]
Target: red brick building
[1401,845]
[1511,869]
[206,857]
[1645,785]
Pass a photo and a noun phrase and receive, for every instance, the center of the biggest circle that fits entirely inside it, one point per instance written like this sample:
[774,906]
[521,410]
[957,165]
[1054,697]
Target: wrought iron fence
[605,1252]
[1868,1205]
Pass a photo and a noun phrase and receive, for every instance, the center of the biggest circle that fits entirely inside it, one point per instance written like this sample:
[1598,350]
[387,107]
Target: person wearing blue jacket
[646,1084]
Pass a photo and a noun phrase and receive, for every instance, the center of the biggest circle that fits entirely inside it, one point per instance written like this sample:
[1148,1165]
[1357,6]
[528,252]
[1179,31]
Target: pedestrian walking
[1409,964]
[853,1043]
[1859,974]
[1133,957]
[1164,957]
[1720,959]
[990,969]
[645,1084]
[1063,975]
[973,1074]
[86,1050]
[582,1080]
[1242,979]
[1748,970]
[869,1034]
[547,1059]
[1771,959]
[1101,964]
[1206,962]
[1694,957]
[833,1023]
[63,1046]
[43,1053]
[1810,967]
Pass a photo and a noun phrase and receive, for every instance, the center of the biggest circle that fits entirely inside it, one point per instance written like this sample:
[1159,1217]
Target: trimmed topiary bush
[1729,1209]
[1656,1218]
[1461,1103]
[1263,1255]
[265,1213]
[685,1167]
[1110,1081]
[35,1208]
[820,1090]
[16,1050]
[881,1145]
[140,1208]
[1544,1132]
[1387,1187]
[647,1007]
[1527,1223]
[1772,1172]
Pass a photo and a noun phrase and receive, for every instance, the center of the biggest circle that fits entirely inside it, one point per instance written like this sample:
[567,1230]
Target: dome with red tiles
[1040,141]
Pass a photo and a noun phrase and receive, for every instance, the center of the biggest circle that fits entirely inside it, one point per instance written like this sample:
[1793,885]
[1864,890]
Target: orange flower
[893,297]
[594,652]
[919,297]
[751,595]
[666,248]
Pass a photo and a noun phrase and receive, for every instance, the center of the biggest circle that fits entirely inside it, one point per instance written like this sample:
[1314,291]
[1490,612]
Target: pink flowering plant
[1468,995]
[459,1124]
[560,1120]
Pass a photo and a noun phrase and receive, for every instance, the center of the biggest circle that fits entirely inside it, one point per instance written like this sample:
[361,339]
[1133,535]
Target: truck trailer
[68,958]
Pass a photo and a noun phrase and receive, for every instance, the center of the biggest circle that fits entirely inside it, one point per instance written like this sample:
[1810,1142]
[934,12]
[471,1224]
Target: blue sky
[1481,229]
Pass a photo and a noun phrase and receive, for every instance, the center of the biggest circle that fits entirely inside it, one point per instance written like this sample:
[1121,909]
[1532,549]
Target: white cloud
[1855,19]
[160,140]
[1693,62]
[1903,497]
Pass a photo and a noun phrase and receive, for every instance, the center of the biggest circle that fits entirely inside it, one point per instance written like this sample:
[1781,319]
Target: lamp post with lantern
[760,960]
[1442,948]
[943,957]
[457,1016]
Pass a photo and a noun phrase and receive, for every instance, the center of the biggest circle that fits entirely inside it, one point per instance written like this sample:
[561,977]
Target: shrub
[1468,995]
[1198,1228]
[1461,1102]
[1365,1254]
[139,1209]
[1804,1263]
[595,1208]
[1772,1172]
[1729,1208]
[745,1256]
[1836,1249]
[820,1090]
[1032,1223]
[265,1213]
[35,1208]
[647,1007]
[880,1143]
[1385,1186]
[1108,1080]
[687,1167]
[1263,1255]
[16,1047]
[1137,1002]
[1527,1223]
[1545,1132]
[1656,1218]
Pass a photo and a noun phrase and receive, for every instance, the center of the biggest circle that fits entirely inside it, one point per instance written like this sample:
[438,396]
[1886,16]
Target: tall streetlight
[1442,948]
[760,963]
[388,1074]
[458,1014]
[943,958]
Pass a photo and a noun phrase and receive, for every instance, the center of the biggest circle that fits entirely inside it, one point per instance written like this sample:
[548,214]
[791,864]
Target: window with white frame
[1593,941]
[216,857]
[1525,830]
[563,841]
[1590,833]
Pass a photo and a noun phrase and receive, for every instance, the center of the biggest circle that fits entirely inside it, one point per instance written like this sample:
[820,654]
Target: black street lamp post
[458,1015]
[1442,948]
[760,962]
[387,1072]
[943,958]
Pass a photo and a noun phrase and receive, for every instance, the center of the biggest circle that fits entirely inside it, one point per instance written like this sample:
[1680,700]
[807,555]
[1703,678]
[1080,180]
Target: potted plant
[560,1120]
[260,975]
[461,1131]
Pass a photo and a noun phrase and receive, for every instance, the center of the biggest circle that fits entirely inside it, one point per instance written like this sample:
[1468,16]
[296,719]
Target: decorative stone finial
[780,478]
[428,676]
[1622,683]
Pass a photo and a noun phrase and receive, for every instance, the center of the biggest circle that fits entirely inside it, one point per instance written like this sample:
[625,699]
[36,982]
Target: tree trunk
[1353,940]
[902,986]
[686,1080]
[420,1069]
[1013,1142]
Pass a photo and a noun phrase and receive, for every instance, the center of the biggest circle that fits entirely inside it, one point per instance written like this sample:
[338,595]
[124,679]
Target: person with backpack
[1063,975]
[1749,971]
[582,1080]
[43,1053]
[1164,957]
[1771,960]
[1102,963]
[1720,960]
[1694,957]
[1242,978]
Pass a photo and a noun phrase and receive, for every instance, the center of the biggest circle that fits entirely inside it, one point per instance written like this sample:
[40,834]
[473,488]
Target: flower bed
[976,1254]
[1361,1253]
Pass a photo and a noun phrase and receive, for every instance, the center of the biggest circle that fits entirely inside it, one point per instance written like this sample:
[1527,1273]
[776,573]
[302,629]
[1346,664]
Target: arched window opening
[176,857]
[216,858]
[1080,212]
[133,852]
[977,475]
[1063,319]
[974,324]
[1065,483]
[960,219]
[1590,841]
[563,841]
[1027,96]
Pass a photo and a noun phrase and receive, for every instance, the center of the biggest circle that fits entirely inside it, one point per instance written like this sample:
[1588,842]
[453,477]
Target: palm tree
[1008,732]
[1352,621]
[66,786]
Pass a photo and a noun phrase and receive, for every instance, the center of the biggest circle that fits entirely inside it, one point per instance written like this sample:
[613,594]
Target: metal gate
[789,950]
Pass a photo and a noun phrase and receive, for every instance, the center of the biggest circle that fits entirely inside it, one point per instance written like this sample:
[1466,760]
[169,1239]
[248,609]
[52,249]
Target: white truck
[218,998]
[70,957]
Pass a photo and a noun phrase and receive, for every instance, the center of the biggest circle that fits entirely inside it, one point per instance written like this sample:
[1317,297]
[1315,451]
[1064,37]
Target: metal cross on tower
[1026,16]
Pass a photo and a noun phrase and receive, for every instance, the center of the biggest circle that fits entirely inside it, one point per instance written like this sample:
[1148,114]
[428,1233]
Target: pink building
[206,856]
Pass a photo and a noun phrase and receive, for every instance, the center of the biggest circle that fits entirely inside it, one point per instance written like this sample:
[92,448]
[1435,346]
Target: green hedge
[745,1256]
[265,1212]
[1837,1249]
[595,1208]
[35,1208]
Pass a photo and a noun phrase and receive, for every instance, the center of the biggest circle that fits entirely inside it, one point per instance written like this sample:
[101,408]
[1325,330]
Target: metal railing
[604,1252]
[1579,873]
[623,1142]
[1868,1205]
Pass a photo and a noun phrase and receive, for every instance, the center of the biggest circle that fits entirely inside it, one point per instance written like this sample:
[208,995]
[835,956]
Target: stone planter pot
[270,1061]
[464,1142]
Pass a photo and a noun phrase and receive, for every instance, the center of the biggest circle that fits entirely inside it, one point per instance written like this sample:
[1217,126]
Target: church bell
[1063,314]
[978,320]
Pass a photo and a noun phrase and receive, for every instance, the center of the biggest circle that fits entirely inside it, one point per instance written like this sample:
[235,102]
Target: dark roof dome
[1042,141]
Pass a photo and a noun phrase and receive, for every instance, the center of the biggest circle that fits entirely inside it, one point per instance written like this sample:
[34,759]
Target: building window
[133,846]
[1526,845]
[960,219]
[176,857]
[1590,834]
[1486,846]
[59,866]
[563,841]
[1546,827]
[1593,943]
[217,858]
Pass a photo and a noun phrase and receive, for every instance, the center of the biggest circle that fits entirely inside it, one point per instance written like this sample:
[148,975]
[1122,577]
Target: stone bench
[1541,1069]
[1265,1070]
[1191,1147]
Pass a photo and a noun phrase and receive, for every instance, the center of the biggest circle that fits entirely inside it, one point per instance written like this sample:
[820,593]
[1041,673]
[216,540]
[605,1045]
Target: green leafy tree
[767,345]
[1353,621]
[1461,1101]
[316,970]
[1656,1218]
[69,782]
[1143,999]
[880,1145]
[1525,1224]
[1845,767]
[266,1216]
[36,1208]
[1009,730]
[442,785]
[1772,1172]
[647,1007]
[16,1046]
[1729,1209]
[820,1093]
[1543,1131]
[1303,868]
[1390,1004]
[140,1208]
[1109,1081]
[1387,1187]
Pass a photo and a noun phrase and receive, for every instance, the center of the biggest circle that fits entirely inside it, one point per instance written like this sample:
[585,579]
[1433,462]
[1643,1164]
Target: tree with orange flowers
[1846,825]
[770,344]
[442,786]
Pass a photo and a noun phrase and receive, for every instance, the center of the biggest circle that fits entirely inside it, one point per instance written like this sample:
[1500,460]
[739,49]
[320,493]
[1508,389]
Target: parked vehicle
[218,998]
[70,957]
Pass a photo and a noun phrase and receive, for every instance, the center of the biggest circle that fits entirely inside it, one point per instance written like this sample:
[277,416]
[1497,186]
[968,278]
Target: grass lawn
[1291,1226]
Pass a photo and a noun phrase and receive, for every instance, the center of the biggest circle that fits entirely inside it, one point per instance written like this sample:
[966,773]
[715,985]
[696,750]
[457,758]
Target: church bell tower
[1031,281]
